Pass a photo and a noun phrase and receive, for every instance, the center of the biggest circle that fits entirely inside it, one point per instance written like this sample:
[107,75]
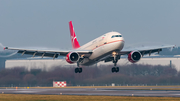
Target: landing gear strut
[78,69]
[115,69]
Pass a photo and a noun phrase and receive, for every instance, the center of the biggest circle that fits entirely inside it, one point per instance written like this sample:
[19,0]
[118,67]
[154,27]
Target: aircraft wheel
[80,70]
[113,69]
[117,69]
[76,70]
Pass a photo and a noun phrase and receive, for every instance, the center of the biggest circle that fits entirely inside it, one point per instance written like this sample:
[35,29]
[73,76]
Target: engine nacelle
[134,56]
[72,57]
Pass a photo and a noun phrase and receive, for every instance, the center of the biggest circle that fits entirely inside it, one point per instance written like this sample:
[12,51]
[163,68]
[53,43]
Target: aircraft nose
[123,41]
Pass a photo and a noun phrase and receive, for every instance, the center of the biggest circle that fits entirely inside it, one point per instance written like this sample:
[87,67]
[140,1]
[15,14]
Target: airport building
[48,64]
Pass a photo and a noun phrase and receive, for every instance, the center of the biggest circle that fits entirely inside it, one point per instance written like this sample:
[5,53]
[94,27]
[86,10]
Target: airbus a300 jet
[107,47]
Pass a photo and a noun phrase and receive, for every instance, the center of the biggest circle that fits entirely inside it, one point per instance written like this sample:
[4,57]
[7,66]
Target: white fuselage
[103,47]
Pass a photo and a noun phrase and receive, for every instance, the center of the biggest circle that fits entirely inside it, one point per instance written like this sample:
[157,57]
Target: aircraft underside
[114,56]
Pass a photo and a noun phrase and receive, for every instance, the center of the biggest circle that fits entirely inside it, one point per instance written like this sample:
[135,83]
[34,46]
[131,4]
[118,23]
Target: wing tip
[174,46]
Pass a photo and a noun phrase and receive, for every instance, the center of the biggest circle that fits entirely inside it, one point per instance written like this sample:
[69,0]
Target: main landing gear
[116,57]
[115,69]
[78,69]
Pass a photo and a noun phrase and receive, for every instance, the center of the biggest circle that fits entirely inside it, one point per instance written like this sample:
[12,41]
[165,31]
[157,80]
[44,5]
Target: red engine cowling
[72,57]
[134,56]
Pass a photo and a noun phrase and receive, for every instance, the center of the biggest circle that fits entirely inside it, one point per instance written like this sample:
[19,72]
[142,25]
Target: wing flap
[35,53]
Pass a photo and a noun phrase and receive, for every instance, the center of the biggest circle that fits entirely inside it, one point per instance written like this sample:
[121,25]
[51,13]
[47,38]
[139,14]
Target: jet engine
[134,56]
[72,57]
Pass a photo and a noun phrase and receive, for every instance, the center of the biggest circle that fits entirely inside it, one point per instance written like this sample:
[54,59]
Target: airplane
[107,47]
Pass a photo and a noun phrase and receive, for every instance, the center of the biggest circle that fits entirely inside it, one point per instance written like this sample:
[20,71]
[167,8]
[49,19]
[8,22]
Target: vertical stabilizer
[75,43]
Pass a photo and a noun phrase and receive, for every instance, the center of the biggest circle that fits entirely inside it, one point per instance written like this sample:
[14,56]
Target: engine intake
[72,57]
[134,56]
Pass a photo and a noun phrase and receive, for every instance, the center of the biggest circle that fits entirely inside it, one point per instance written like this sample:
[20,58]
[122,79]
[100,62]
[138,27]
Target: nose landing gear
[116,57]
[115,69]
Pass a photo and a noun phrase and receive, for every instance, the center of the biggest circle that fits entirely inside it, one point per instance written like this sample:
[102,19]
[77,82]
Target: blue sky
[44,23]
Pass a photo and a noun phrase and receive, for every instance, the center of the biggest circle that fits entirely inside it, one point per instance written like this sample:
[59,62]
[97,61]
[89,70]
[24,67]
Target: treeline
[128,75]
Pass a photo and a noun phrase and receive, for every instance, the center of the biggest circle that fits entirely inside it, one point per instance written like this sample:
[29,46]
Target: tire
[113,70]
[117,69]
[80,70]
[76,70]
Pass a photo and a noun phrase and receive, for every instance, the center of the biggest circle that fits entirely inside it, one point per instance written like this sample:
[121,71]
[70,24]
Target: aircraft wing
[145,50]
[49,53]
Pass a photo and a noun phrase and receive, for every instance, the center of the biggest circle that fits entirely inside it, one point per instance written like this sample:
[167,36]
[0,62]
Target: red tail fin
[75,43]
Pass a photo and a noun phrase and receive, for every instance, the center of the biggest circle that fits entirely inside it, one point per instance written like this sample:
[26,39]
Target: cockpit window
[116,36]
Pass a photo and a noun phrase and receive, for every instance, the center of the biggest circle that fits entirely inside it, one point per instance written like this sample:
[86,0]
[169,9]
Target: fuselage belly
[103,46]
